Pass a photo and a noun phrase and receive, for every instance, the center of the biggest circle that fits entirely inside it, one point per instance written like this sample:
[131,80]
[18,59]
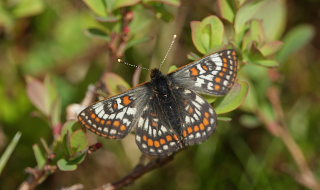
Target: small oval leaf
[64,165]
[234,98]
[78,141]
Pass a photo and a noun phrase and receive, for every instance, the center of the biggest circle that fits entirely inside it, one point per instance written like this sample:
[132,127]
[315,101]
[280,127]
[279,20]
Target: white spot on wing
[113,131]
[98,109]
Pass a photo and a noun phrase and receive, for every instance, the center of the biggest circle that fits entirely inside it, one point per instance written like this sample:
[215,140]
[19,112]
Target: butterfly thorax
[162,89]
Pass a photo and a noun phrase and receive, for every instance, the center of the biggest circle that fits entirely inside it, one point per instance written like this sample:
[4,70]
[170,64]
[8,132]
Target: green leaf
[6,19]
[40,156]
[294,40]
[208,34]
[255,35]
[137,41]
[271,12]
[114,83]
[97,33]
[64,165]
[78,141]
[162,12]
[233,99]
[172,68]
[267,63]
[71,165]
[108,19]
[56,112]
[226,119]
[7,153]
[271,48]
[97,6]
[251,102]
[209,98]
[70,126]
[227,9]
[124,3]
[26,8]
[169,2]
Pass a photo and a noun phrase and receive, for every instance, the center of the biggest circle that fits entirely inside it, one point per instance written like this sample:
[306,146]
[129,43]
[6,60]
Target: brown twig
[136,173]
[305,176]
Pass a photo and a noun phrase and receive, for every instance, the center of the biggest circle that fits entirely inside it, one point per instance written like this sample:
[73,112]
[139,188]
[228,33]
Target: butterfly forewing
[114,117]
[214,74]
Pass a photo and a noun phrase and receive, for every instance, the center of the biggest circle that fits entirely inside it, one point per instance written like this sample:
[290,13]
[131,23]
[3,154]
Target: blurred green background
[50,51]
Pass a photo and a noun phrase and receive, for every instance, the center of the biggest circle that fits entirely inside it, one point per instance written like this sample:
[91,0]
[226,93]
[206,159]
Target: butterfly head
[156,74]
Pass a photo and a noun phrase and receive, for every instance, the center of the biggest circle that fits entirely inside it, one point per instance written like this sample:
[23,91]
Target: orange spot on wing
[202,126]
[206,114]
[194,71]
[156,144]
[224,70]
[225,65]
[190,130]
[218,79]
[205,121]
[115,106]
[108,122]
[93,115]
[190,110]
[169,138]
[103,121]
[234,53]
[175,137]
[162,141]
[184,133]
[196,128]
[154,124]
[150,142]
[126,100]
[116,123]
[217,87]
[144,138]
[221,74]
[123,128]
[205,67]
[225,60]
[98,119]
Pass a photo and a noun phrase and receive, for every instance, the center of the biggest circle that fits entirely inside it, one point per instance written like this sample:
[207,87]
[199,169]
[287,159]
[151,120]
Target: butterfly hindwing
[199,118]
[214,74]
[114,117]
[153,134]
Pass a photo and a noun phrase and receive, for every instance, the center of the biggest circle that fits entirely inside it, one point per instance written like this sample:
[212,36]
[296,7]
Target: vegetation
[57,57]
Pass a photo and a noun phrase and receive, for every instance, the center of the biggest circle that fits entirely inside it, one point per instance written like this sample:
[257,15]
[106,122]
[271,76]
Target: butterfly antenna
[136,66]
[171,44]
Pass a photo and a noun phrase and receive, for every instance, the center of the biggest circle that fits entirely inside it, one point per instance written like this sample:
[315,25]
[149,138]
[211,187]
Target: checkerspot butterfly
[167,113]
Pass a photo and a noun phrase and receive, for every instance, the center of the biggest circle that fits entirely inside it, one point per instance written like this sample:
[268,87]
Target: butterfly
[167,113]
